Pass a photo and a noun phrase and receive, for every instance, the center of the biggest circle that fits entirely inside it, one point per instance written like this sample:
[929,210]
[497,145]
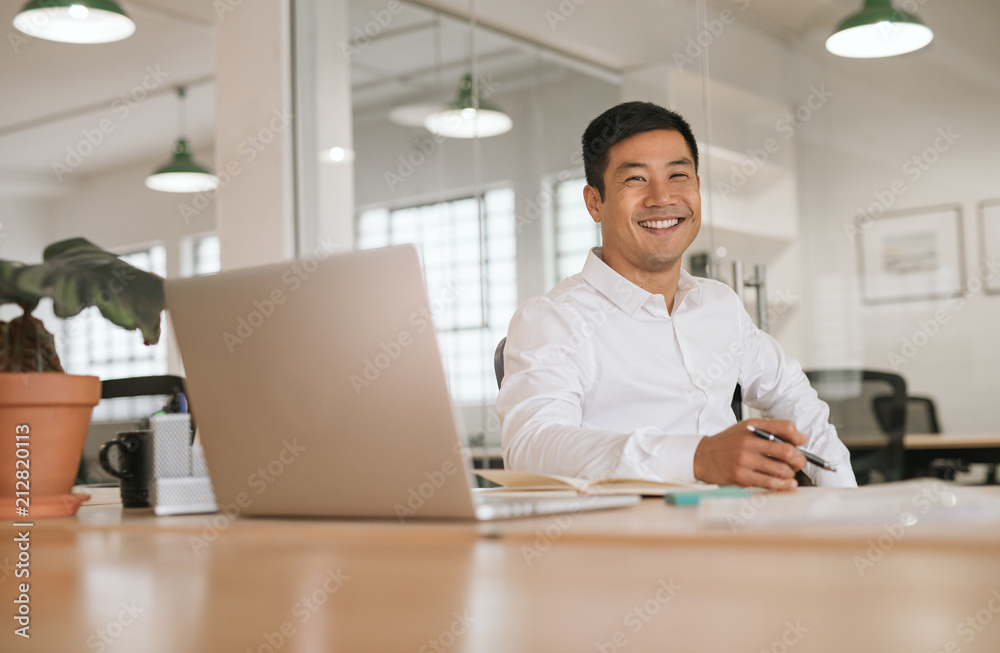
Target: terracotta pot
[56,410]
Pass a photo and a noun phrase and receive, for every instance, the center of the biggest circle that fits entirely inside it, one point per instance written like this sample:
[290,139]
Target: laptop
[319,391]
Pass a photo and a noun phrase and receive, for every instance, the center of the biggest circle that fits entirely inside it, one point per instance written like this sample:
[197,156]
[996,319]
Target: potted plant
[44,412]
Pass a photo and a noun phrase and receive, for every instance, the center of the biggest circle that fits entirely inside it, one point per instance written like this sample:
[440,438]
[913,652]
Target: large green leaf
[10,292]
[76,274]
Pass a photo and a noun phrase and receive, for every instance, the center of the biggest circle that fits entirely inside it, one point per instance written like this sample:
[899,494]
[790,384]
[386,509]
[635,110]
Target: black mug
[136,460]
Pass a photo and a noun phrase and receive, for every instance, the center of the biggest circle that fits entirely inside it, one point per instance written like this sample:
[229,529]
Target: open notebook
[511,480]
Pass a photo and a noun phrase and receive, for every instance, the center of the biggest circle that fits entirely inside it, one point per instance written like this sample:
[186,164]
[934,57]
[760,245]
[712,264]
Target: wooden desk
[648,577]
[923,448]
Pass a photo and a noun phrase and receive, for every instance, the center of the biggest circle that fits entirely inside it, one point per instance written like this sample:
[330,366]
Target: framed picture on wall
[910,255]
[989,239]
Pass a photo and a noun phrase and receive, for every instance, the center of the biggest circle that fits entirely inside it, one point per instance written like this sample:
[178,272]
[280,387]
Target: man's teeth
[659,224]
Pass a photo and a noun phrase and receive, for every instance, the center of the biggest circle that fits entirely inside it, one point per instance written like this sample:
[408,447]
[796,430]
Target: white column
[323,99]
[254,133]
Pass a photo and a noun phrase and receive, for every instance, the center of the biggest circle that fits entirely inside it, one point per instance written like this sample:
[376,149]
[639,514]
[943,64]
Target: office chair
[498,360]
[866,403]
[921,417]
[737,402]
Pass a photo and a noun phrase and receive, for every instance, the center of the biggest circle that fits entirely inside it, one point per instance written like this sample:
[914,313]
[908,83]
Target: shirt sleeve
[775,384]
[548,368]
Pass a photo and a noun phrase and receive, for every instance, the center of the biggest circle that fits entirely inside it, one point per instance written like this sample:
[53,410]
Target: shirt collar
[625,294]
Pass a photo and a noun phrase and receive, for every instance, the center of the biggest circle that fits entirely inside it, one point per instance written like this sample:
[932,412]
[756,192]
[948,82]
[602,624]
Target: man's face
[651,211]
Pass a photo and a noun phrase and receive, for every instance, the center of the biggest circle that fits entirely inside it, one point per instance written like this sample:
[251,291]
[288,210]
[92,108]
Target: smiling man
[628,368]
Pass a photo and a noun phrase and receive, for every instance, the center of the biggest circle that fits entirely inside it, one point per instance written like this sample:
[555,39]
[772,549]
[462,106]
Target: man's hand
[738,457]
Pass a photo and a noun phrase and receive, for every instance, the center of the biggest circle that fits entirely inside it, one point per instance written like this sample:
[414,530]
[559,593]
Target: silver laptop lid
[318,388]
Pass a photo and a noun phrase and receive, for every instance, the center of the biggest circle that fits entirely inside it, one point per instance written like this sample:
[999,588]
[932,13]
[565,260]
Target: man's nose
[660,193]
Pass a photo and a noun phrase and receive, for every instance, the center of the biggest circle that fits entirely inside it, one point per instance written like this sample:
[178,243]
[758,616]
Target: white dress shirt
[600,380]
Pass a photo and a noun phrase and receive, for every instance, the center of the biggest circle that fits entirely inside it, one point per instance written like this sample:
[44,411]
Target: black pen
[810,456]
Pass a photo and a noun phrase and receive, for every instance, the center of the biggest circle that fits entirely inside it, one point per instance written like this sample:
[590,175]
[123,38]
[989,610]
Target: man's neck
[663,282]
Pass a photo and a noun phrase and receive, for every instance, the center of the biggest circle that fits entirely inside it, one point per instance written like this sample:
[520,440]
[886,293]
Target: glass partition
[867,189]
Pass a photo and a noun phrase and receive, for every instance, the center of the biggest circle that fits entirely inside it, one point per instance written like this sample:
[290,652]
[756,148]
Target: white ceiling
[121,94]
[55,94]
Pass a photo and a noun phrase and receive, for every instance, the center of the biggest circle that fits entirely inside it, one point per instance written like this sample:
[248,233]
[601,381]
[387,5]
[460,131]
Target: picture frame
[912,255]
[989,240]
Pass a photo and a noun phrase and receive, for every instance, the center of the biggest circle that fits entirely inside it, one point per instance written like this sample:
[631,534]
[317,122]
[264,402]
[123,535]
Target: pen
[810,456]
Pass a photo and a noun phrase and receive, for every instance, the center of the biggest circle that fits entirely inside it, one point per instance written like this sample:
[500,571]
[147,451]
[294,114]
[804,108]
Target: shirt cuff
[649,454]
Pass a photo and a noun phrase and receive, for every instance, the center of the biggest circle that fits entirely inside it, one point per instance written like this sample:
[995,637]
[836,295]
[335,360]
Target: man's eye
[679,175]
[635,178]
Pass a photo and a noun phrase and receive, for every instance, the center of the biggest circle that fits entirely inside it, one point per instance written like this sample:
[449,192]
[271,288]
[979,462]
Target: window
[469,267]
[92,345]
[575,231]
[205,255]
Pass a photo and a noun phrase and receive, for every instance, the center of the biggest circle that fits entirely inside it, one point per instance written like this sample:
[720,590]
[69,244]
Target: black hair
[623,121]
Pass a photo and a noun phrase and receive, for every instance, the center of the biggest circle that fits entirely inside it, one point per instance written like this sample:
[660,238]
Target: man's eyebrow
[629,165]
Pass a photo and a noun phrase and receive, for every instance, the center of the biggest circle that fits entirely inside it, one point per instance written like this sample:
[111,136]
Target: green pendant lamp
[468,117]
[74,21]
[878,30]
[182,174]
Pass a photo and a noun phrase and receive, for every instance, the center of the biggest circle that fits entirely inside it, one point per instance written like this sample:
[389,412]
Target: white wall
[24,229]
[850,154]
[116,211]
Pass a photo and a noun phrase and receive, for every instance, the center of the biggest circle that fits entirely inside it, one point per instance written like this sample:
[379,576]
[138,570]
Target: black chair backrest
[498,361]
[866,403]
[862,402]
[737,403]
[921,417]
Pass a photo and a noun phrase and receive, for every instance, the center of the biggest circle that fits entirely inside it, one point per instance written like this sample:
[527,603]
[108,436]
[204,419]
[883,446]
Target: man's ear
[592,198]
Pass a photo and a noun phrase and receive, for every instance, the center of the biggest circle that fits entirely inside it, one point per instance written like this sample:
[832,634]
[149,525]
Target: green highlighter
[691,498]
